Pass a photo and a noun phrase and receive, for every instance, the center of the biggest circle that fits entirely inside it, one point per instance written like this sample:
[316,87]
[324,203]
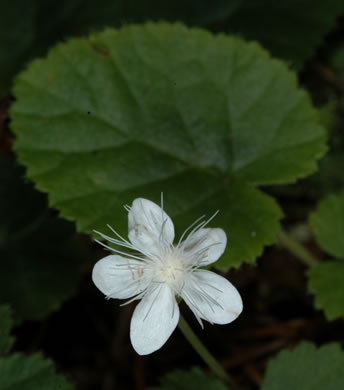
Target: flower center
[172,270]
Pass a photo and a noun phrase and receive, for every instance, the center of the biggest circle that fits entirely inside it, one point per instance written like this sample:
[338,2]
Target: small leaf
[326,279]
[326,282]
[40,254]
[18,371]
[6,340]
[327,223]
[195,379]
[291,29]
[160,107]
[306,367]
[30,373]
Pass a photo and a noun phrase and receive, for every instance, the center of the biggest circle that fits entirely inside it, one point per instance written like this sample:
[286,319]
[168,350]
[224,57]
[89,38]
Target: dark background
[69,320]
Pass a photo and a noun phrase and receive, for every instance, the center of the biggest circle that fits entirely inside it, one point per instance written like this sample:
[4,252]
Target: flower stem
[297,249]
[197,344]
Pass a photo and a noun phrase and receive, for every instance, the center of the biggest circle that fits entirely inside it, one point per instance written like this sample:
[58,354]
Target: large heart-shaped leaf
[160,107]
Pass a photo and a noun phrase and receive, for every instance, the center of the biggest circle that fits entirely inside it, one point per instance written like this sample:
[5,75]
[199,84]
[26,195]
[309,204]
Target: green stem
[297,249]
[213,364]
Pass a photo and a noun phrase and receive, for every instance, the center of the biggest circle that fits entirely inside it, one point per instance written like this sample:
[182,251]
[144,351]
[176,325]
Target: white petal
[154,320]
[149,226]
[119,277]
[212,297]
[205,246]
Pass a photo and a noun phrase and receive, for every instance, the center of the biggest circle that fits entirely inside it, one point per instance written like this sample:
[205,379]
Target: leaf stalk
[297,249]
[207,357]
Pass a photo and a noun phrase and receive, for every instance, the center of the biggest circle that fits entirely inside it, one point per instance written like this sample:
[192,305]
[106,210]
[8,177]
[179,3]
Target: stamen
[158,281]
[149,220]
[162,204]
[208,298]
[128,287]
[172,314]
[135,298]
[126,267]
[212,217]
[162,231]
[121,253]
[201,255]
[164,222]
[193,308]
[202,224]
[152,304]
[187,229]
[210,285]
[201,251]
[115,241]
[125,244]
[205,300]
[198,227]
[117,234]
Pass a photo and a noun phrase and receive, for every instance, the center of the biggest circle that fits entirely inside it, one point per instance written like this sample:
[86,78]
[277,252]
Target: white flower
[160,271]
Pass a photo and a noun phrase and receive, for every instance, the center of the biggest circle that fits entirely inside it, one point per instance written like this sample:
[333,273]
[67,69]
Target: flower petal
[149,226]
[119,277]
[205,246]
[212,297]
[154,320]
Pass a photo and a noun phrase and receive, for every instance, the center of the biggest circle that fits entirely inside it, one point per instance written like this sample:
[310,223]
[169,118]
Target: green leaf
[6,340]
[326,282]
[327,223]
[329,177]
[160,107]
[18,371]
[326,279]
[248,215]
[40,254]
[195,379]
[306,367]
[30,373]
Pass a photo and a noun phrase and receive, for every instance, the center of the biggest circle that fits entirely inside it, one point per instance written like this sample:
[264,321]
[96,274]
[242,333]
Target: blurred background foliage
[291,30]
[45,264]
[43,255]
